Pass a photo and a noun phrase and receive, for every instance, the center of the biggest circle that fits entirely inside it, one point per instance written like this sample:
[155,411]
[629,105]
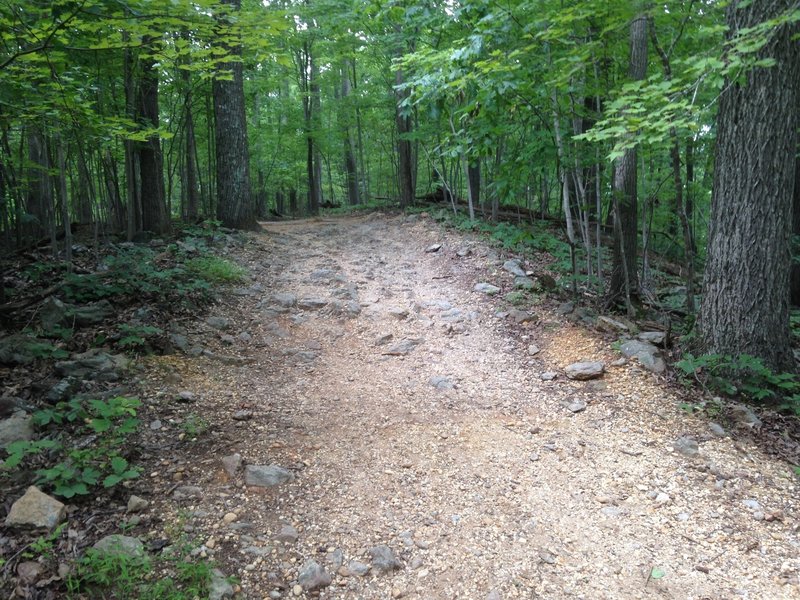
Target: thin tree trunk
[151,170]
[624,279]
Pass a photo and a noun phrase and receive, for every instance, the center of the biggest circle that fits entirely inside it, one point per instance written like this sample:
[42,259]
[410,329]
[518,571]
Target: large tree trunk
[234,197]
[745,308]
[624,278]
[154,211]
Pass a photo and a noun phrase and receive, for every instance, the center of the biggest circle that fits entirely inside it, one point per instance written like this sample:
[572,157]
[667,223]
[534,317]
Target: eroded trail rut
[412,417]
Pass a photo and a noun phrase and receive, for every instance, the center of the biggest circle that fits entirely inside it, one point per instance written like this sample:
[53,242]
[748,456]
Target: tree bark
[234,196]
[624,277]
[190,152]
[154,211]
[350,167]
[745,308]
[795,276]
[405,173]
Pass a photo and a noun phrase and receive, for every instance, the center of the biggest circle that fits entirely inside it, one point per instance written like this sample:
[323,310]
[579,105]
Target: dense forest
[665,130]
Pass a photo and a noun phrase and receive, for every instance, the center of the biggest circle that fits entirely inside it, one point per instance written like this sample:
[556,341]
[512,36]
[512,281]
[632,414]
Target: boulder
[486,288]
[647,354]
[514,267]
[55,313]
[582,371]
[266,475]
[17,428]
[313,576]
[36,509]
[17,349]
[384,559]
[653,337]
[219,587]
[93,363]
[117,545]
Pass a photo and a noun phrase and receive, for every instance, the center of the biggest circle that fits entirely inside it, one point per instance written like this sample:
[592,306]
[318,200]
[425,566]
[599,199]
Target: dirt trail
[457,455]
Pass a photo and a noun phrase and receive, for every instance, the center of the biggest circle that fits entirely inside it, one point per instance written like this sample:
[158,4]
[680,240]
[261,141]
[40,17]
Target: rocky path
[411,447]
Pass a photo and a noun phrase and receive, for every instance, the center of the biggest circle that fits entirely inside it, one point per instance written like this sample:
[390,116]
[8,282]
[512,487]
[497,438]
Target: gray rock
[514,267]
[94,364]
[55,314]
[287,535]
[186,492]
[433,248]
[548,375]
[221,323]
[335,559]
[647,354]
[36,509]
[398,312]
[245,415]
[17,349]
[310,303]
[384,339]
[322,275]
[743,415]
[717,429]
[357,568]
[63,390]
[611,325]
[187,397]
[440,382]
[285,299]
[612,511]
[120,545]
[349,308]
[652,362]
[155,424]
[16,428]
[219,587]
[231,463]
[524,283]
[581,371]
[384,559]
[686,446]
[576,406]
[266,475]
[313,576]
[486,288]
[180,341]
[752,504]
[521,316]
[533,349]
[494,595]
[565,308]
[403,347]
[652,337]
[257,550]
[452,315]
[136,504]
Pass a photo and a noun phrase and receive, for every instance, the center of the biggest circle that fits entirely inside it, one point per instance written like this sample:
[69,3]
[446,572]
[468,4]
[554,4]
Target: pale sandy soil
[491,489]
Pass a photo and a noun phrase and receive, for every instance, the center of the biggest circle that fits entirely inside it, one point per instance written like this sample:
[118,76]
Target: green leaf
[100,425]
[118,464]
